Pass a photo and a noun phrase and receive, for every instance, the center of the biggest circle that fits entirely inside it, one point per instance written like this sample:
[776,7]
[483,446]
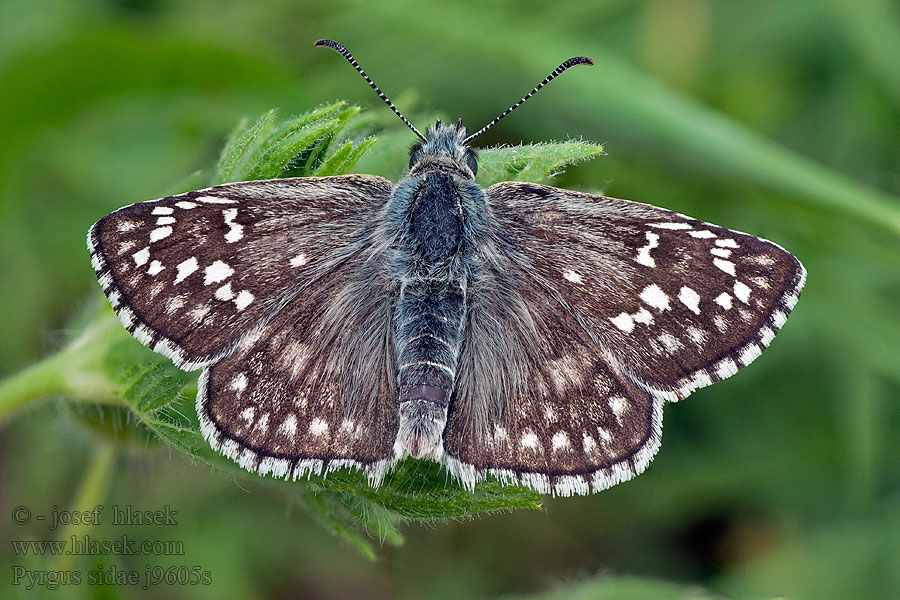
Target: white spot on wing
[162,210]
[573,277]
[727,243]
[725,265]
[155,267]
[198,313]
[186,205]
[698,336]
[216,272]
[224,293]
[618,405]
[530,440]
[174,303]
[299,260]
[243,300]
[702,234]
[560,441]
[643,256]
[236,230]
[142,256]
[721,324]
[720,252]
[318,427]
[214,200]
[160,233]
[760,282]
[623,322]
[742,292]
[185,268]
[670,225]
[126,246]
[724,300]
[655,297]
[642,316]
[670,342]
[289,426]
[239,383]
[690,298]
[165,221]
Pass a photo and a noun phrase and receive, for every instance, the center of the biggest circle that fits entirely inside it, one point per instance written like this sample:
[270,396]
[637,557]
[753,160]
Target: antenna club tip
[580,60]
[328,43]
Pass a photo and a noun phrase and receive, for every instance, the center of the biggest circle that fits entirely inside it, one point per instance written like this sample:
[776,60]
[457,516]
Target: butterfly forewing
[188,275]
[678,302]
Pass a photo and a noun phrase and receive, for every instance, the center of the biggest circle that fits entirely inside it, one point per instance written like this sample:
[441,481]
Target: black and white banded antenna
[346,54]
[576,60]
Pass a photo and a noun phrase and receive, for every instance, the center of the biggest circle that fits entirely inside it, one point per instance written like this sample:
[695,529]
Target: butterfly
[522,332]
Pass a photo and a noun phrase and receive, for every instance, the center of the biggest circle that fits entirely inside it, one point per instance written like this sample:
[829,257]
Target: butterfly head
[444,148]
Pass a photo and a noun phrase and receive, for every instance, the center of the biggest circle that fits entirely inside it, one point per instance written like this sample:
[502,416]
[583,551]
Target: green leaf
[535,163]
[293,148]
[241,146]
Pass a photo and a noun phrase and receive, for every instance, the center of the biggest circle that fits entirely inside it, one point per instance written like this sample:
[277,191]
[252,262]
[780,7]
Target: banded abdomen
[429,314]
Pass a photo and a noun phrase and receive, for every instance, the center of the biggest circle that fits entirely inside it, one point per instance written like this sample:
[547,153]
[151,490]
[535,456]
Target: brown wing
[312,389]
[189,274]
[578,287]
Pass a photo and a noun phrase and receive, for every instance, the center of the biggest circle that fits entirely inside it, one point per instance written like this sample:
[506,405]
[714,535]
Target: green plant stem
[71,372]
[40,380]
[90,492]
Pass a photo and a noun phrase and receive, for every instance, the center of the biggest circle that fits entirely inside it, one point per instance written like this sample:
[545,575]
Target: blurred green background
[779,118]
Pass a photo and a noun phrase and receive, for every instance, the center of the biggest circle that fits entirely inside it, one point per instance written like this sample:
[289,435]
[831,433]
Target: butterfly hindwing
[313,389]
[566,423]
[189,274]
[608,309]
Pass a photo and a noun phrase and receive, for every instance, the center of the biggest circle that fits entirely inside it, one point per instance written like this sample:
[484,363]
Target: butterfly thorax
[435,215]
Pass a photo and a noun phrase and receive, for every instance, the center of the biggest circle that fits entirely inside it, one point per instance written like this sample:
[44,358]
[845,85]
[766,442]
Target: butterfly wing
[189,274]
[278,291]
[618,306]
[314,388]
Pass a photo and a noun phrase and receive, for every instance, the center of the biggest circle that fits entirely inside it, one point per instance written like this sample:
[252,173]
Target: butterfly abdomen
[428,318]
[428,332]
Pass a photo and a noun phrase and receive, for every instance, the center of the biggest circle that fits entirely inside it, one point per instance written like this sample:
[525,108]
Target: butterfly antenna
[577,60]
[346,54]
